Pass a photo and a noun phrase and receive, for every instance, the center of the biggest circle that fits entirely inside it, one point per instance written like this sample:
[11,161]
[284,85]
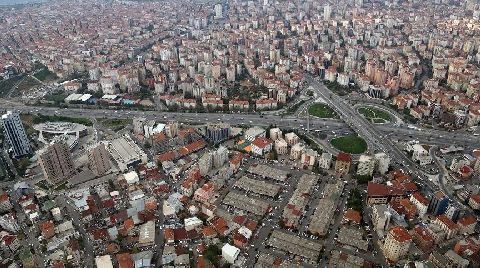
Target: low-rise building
[309,157]
[281,146]
[381,216]
[292,138]
[366,165]
[325,161]
[254,132]
[261,146]
[275,133]
[296,151]
[343,163]
[382,162]
[230,253]
[447,225]
[421,155]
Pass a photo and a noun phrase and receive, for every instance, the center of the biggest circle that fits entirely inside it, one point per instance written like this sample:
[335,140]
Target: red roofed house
[474,201]
[465,172]
[410,208]
[343,163]
[5,204]
[251,225]
[220,225]
[236,161]
[466,225]
[9,242]
[209,232]
[447,225]
[261,145]
[421,202]
[239,240]
[353,216]
[423,239]
[125,260]
[48,229]
[205,193]
[468,246]
[169,235]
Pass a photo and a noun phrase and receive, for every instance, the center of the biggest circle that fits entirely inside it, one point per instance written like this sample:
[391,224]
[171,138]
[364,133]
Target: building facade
[56,162]
[15,134]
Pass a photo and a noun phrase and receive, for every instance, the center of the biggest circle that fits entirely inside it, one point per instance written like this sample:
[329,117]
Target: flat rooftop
[257,186]
[295,244]
[243,202]
[269,172]
[267,261]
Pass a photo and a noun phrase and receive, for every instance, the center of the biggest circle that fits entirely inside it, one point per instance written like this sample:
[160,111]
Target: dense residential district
[231,133]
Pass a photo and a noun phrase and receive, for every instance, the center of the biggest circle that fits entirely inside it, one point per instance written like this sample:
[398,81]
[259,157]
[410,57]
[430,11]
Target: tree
[363,179]
[147,145]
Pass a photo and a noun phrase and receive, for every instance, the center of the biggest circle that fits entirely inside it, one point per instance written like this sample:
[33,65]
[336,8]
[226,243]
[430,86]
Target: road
[31,233]
[89,254]
[354,120]
[379,141]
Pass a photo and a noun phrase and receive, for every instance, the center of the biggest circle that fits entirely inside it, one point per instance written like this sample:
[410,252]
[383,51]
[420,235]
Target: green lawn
[375,115]
[321,110]
[114,123]
[57,96]
[45,75]
[26,85]
[6,85]
[352,144]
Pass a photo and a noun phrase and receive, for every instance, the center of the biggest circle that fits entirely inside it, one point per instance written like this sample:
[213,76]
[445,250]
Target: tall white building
[381,219]
[205,163]
[218,11]
[220,156]
[366,165]
[397,243]
[275,133]
[15,134]
[327,12]
[382,162]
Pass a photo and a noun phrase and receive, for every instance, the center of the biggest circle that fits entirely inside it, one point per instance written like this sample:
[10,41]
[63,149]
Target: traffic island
[321,110]
[352,144]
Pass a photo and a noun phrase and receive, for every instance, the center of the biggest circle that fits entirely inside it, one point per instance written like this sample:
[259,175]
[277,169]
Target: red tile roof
[400,234]
[423,234]
[353,215]
[261,142]
[476,198]
[420,198]
[447,221]
[125,260]
[343,157]
[378,190]
[467,220]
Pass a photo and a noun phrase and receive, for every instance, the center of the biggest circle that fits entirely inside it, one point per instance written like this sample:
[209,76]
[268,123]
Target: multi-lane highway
[353,119]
